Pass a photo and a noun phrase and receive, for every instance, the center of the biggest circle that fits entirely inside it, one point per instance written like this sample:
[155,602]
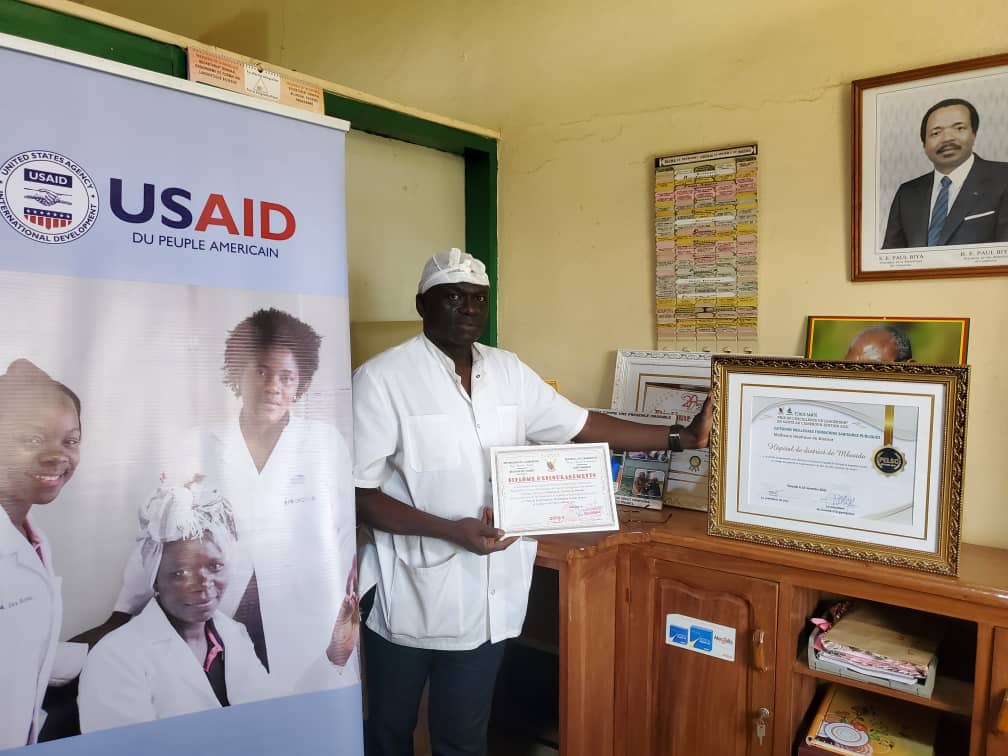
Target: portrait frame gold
[886,153]
[853,513]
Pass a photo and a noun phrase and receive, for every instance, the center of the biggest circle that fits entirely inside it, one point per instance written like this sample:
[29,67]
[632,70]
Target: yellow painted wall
[423,192]
[586,93]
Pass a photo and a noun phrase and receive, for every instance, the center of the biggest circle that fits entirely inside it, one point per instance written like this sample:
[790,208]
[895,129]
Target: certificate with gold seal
[847,459]
[560,488]
[831,461]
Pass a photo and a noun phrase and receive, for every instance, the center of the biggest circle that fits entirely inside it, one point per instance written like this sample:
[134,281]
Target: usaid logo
[47,197]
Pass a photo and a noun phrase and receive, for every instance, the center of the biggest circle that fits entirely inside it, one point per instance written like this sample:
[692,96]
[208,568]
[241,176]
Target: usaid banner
[177,541]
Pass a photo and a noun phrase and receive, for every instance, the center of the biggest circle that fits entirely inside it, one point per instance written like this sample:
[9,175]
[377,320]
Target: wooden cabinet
[682,702]
[625,692]
[997,731]
[586,598]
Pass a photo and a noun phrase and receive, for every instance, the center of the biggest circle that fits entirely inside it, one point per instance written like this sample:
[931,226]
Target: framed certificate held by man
[857,460]
[561,488]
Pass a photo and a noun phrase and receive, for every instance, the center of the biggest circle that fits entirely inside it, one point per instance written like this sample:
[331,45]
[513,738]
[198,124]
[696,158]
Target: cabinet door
[684,703]
[997,730]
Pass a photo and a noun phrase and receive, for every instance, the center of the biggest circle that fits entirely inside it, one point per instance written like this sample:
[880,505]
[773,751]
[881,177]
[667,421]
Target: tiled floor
[519,743]
[521,749]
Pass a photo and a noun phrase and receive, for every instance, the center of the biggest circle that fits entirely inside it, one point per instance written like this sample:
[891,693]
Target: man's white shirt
[957,176]
[422,440]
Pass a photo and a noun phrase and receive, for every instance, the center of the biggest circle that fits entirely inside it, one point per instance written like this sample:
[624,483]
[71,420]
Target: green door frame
[479,152]
[480,156]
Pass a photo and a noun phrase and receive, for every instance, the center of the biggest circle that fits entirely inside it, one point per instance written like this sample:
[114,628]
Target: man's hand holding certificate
[539,490]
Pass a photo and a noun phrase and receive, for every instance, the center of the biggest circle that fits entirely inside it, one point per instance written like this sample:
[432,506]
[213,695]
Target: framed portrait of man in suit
[930,172]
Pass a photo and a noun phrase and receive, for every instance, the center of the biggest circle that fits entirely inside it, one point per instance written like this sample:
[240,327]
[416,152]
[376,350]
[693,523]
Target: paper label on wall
[218,70]
[700,636]
[705,243]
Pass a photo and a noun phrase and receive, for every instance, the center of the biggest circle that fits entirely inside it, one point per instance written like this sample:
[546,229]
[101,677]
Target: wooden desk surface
[982,579]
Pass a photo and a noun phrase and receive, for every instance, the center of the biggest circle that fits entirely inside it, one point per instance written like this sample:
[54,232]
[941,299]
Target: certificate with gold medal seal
[828,461]
[560,488]
[848,459]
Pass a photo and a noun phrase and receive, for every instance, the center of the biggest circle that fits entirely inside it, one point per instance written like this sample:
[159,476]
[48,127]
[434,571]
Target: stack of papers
[885,642]
[857,722]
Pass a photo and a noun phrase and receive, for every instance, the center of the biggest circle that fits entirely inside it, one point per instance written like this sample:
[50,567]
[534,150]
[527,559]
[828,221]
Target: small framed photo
[856,460]
[640,477]
[668,387]
[939,341]
[930,172]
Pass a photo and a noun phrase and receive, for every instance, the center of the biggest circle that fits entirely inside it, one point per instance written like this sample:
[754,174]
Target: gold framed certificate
[857,460]
[561,488]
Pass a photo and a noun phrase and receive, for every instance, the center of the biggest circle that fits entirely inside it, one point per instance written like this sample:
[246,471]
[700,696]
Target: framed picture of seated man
[930,172]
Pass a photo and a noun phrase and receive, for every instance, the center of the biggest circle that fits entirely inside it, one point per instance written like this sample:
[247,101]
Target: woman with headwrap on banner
[40,435]
[293,580]
[180,654]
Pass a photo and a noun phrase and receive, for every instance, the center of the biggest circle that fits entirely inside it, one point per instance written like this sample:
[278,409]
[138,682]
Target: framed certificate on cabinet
[863,461]
[666,387]
[670,384]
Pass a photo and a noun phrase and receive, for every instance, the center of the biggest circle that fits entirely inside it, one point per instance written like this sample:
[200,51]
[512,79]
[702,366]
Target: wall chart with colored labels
[706,239]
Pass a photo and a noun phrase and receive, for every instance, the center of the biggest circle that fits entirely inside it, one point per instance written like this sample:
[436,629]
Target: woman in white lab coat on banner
[180,655]
[293,579]
[40,435]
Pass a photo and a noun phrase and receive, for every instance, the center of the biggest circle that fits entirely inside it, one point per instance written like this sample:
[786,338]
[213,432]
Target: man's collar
[477,352]
[959,174]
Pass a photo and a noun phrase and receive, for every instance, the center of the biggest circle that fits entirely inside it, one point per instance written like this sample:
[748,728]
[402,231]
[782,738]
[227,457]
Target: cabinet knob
[761,722]
[1001,723]
[759,651]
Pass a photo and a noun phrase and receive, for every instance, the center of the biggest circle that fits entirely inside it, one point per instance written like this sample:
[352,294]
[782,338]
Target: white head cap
[178,513]
[453,266]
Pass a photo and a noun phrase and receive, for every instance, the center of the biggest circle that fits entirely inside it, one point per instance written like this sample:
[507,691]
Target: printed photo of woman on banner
[40,438]
[263,463]
[240,583]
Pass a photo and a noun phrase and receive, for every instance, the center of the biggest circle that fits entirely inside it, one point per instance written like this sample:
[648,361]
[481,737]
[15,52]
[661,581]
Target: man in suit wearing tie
[964,200]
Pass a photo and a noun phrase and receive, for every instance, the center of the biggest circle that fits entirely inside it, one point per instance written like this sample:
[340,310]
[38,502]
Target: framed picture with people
[930,172]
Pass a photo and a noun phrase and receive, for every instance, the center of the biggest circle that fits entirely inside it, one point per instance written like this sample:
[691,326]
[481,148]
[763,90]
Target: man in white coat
[450,589]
